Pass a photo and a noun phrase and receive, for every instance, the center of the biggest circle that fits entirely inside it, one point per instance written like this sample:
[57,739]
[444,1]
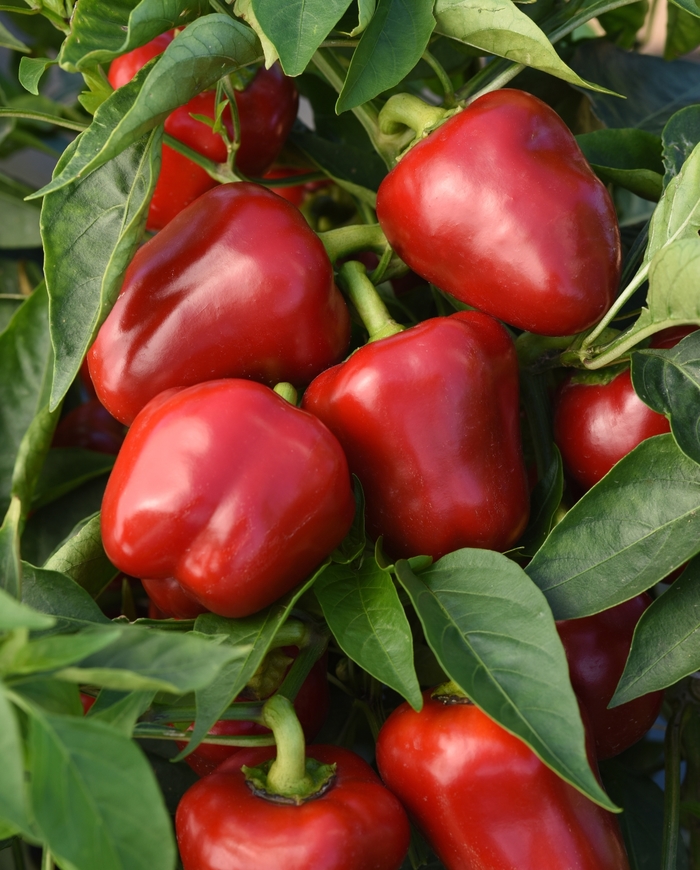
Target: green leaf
[641,820]
[363,610]
[499,27]
[654,89]
[13,791]
[249,639]
[682,28]
[83,559]
[55,594]
[366,10]
[544,502]
[622,25]
[10,567]
[91,229]
[31,455]
[120,710]
[7,40]
[677,216]
[634,527]
[67,468]
[297,27]
[25,361]
[668,381]
[143,660]
[49,694]
[353,168]
[58,651]
[48,529]
[20,223]
[211,47]
[666,643]
[492,633]
[95,798]
[672,297]
[13,615]
[31,69]
[244,9]
[102,31]
[629,158]
[390,47]
[681,134]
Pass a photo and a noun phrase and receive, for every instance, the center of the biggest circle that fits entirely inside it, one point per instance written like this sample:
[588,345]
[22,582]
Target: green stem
[328,65]
[42,116]
[672,789]
[485,80]
[287,774]
[287,392]
[626,294]
[18,854]
[218,171]
[344,241]
[363,294]
[145,730]
[47,860]
[445,81]
[378,274]
[405,110]
[307,658]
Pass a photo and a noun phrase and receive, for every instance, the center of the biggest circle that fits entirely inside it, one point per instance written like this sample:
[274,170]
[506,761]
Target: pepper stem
[344,241]
[405,110]
[287,774]
[373,312]
[286,391]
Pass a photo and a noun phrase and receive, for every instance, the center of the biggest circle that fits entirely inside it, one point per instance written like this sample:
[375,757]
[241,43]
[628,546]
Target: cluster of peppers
[225,495]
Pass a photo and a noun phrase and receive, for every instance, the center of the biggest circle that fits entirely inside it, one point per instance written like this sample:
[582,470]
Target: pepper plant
[378,80]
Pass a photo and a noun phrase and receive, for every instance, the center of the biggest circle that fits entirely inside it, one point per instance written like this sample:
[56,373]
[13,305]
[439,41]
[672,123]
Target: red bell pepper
[596,649]
[484,800]
[267,108]
[237,285]
[430,423]
[231,490]
[499,207]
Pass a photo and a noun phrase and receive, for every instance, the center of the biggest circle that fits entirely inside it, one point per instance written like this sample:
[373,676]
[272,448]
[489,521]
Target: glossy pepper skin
[231,490]
[238,285]
[499,207]
[596,649]
[356,825]
[267,108]
[483,799]
[171,599]
[429,421]
[311,706]
[595,425]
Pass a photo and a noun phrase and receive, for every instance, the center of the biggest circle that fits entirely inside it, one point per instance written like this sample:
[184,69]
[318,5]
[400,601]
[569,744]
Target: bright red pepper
[311,706]
[484,800]
[595,425]
[430,423]
[91,426]
[597,648]
[499,207]
[356,825]
[267,108]
[238,285]
[171,599]
[231,490]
